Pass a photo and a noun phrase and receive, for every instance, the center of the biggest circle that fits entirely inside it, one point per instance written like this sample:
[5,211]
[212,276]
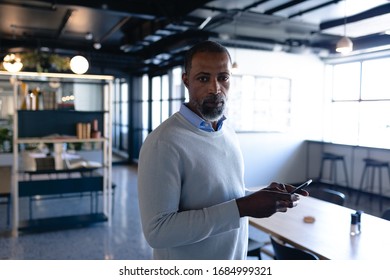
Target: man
[191,172]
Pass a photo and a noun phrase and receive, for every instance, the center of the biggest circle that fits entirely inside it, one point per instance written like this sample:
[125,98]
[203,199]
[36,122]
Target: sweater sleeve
[159,190]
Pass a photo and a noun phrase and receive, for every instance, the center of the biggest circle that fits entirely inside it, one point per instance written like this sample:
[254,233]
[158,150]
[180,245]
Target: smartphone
[308,182]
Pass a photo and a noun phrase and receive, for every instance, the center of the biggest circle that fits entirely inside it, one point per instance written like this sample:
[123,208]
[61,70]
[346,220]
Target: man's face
[208,84]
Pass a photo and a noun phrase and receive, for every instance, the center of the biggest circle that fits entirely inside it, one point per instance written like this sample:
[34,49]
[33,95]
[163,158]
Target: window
[346,82]
[145,106]
[256,103]
[120,116]
[359,112]
[156,101]
[259,103]
[162,100]
[177,90]
[375,75]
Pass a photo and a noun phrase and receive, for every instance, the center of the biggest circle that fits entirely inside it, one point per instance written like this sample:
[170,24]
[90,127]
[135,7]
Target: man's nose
[215,87]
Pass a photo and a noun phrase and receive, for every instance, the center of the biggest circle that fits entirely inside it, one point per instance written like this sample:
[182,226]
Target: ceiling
[152,35]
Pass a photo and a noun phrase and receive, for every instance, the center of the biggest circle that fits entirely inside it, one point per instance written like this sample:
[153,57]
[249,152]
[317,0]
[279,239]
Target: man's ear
[184,78]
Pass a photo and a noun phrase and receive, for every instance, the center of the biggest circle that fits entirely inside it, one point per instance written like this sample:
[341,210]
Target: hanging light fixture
[344,45]
[79,64]
[12,63]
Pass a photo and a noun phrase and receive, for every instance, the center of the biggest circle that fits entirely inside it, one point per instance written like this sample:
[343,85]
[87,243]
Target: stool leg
[361,185]
[380,188]
[321,170]
[331,172]
[388,171]
[371,186]
[346,173]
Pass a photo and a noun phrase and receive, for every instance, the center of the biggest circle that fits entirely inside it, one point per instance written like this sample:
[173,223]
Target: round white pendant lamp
[79,64]
[344,45]
[12,63]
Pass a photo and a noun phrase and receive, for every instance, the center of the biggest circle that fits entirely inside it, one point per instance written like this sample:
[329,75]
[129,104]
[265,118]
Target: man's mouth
[213,103]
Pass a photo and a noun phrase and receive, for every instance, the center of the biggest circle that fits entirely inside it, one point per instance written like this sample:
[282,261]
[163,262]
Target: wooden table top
[329,236]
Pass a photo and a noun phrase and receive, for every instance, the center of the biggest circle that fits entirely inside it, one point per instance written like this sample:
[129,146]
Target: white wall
[282,156]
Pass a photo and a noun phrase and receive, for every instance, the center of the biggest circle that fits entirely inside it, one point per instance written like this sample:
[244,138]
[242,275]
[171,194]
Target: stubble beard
[208,107]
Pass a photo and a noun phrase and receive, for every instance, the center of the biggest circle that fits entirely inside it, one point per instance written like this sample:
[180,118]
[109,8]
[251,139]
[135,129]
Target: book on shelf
[81,163]
[57,136]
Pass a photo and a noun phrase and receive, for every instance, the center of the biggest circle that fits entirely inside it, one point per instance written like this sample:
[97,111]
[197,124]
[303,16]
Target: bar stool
[373,165]
[333,159]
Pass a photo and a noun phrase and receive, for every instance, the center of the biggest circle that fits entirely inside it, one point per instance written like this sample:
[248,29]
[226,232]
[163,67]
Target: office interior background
[288,101]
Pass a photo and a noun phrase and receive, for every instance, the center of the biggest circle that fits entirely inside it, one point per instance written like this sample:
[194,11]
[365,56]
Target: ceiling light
[79,64]
[344,45]
[204,23]
[97,46]
[88,36]
[12,63]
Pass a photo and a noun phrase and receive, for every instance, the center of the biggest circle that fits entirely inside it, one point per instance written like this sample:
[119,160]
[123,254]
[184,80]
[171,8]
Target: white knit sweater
[188,180]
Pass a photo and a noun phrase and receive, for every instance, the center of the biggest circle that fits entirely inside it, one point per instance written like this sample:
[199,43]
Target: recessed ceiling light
[97,46]
[88,36]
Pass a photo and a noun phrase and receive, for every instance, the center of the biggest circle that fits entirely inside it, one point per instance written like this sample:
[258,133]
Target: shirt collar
[197,121]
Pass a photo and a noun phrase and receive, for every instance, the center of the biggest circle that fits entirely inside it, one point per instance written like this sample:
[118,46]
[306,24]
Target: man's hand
[266,202]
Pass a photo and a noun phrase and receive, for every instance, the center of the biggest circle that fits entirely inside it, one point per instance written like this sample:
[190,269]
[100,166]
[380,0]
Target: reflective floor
[123,240]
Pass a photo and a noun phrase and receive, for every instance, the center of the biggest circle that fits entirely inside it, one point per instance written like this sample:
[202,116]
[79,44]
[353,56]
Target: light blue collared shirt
[198,121]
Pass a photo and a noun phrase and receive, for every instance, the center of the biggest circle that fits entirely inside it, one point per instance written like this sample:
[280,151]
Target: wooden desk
[328,237]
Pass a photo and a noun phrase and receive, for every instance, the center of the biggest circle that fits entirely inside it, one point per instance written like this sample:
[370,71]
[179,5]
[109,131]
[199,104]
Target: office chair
[328,195]
[259,243]
[386,214]
[285,252]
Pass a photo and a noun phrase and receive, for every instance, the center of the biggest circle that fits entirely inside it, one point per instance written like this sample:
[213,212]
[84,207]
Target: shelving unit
[59,126]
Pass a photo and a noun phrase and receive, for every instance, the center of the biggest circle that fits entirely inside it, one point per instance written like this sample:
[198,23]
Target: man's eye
[203,78]
[223,78]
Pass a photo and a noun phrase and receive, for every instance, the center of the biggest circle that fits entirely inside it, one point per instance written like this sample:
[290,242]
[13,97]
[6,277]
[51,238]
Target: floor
[123,240]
